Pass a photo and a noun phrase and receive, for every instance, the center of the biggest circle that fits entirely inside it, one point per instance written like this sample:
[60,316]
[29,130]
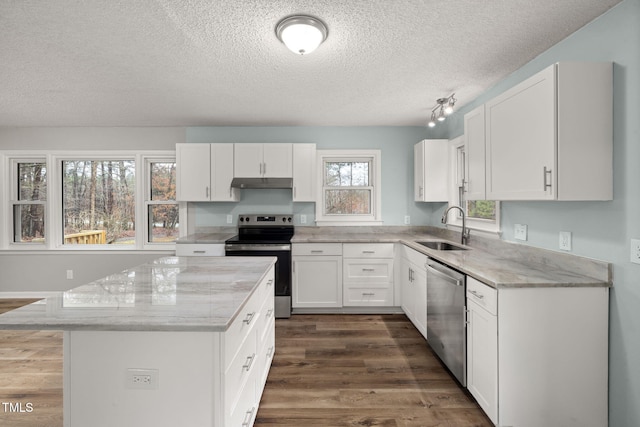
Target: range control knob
[289,219]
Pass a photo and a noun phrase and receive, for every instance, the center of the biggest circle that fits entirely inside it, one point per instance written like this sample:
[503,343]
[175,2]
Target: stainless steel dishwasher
[446,322]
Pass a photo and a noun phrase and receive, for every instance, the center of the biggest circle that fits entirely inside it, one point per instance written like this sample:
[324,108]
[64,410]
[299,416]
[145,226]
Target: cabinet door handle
[249,362]
[247,418]
[207,192]
[368,269]
[476,294]
[368,294]
[249,318]
[547,183]
[198,252]
[317,251]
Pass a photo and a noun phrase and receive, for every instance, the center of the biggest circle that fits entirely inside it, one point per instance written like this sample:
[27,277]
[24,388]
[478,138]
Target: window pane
[163,181]
[481,209]
[99,201]
[346,174]
[163,223]
[32,181]
[28,223]
[347,202]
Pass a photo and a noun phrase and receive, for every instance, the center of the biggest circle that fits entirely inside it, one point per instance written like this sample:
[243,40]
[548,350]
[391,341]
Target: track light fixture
[444,107]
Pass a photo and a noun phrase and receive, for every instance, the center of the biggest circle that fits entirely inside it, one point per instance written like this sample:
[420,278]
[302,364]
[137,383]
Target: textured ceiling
[218,62]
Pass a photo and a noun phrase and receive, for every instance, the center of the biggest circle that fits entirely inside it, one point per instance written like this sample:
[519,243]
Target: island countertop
[167,294]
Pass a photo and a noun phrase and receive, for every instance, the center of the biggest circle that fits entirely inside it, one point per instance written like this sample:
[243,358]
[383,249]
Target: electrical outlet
[142,379]
[407,220]
[303,219]
[635,251]
[69,274]
[520,232]
[229,219]
[565,240]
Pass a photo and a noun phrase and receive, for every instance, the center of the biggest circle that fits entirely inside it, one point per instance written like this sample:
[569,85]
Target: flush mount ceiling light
[444,107]
[301,34]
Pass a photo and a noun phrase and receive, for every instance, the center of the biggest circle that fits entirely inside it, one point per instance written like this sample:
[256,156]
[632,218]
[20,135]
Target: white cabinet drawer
[243,414]
[367,250]
[265,357]
[240,371]
[267,314]
[316,249]
[368,271]
[376,297]
[483,295]
[249,316]
[199,249]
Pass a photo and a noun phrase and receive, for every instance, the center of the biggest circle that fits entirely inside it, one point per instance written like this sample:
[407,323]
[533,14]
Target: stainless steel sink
[442,246]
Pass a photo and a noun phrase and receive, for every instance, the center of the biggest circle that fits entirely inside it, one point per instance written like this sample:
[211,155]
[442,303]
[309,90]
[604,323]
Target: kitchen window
[350,187]
[28,200]
[91,201]
[483,215]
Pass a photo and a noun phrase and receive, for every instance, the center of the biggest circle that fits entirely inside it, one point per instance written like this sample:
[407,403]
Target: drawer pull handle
[249,318]
[368,294]
[368,252]
[198,252]
[249,362]
[269,313]
[368,269]
[476,294]
[247,418]
[317,251]
[270,282]
[270,352]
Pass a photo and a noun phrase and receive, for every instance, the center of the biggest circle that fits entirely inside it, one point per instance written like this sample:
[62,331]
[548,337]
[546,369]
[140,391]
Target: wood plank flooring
[360,370]
[329,371]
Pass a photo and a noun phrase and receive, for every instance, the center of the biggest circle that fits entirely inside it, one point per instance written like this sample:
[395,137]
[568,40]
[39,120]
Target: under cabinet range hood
[262,183]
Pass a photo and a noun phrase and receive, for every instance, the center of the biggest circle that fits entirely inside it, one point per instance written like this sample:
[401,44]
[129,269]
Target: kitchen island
[177,341]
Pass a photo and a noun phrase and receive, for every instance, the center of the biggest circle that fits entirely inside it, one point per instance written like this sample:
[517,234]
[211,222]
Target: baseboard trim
[348,310]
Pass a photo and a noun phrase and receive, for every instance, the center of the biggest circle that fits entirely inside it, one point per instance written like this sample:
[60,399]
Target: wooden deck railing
[89,237]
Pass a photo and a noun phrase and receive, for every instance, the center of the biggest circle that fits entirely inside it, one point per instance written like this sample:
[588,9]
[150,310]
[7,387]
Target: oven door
[282,270]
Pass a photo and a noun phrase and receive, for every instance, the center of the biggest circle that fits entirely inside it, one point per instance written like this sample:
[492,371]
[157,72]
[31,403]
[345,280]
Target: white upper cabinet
[204,173]
[255,160]
[474,137]
[550,137]
[430,167]
[304,172]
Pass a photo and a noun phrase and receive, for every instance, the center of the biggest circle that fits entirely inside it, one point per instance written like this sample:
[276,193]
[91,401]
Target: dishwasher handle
[445,273]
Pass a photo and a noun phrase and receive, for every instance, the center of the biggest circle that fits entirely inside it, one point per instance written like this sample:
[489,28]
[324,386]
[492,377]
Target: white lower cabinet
[413,283]
[316,275]
[367,274]
[538,356]
[482,346]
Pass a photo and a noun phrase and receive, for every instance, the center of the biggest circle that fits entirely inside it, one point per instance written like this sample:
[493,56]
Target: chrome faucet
[465,233]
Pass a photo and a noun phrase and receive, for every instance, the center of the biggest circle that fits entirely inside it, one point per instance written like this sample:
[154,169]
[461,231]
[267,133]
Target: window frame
[457,176]
[13,199]
[375,186]
[54,216]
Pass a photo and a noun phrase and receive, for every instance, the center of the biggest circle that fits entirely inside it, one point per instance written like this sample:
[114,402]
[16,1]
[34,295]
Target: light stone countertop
[518,266]
[168,294]
[206,238]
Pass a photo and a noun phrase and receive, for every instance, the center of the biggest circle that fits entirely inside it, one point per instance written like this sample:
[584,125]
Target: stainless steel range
[267,235]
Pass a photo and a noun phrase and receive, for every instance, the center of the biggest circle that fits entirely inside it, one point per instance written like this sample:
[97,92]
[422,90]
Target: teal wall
[600,229]
[395,143]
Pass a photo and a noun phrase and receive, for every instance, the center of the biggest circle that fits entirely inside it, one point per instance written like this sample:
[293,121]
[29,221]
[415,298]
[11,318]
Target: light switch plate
[303,219]
[520,232]
[407,220]
[229,219]
[635,251]
[565,240]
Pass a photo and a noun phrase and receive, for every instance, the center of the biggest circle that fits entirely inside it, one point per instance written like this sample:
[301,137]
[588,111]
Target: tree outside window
[347,188]
[99,201]
[29,206]
[162,208]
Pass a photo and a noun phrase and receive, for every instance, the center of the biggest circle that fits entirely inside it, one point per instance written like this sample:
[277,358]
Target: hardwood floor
[329,371]
[30,375]
[355,370]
